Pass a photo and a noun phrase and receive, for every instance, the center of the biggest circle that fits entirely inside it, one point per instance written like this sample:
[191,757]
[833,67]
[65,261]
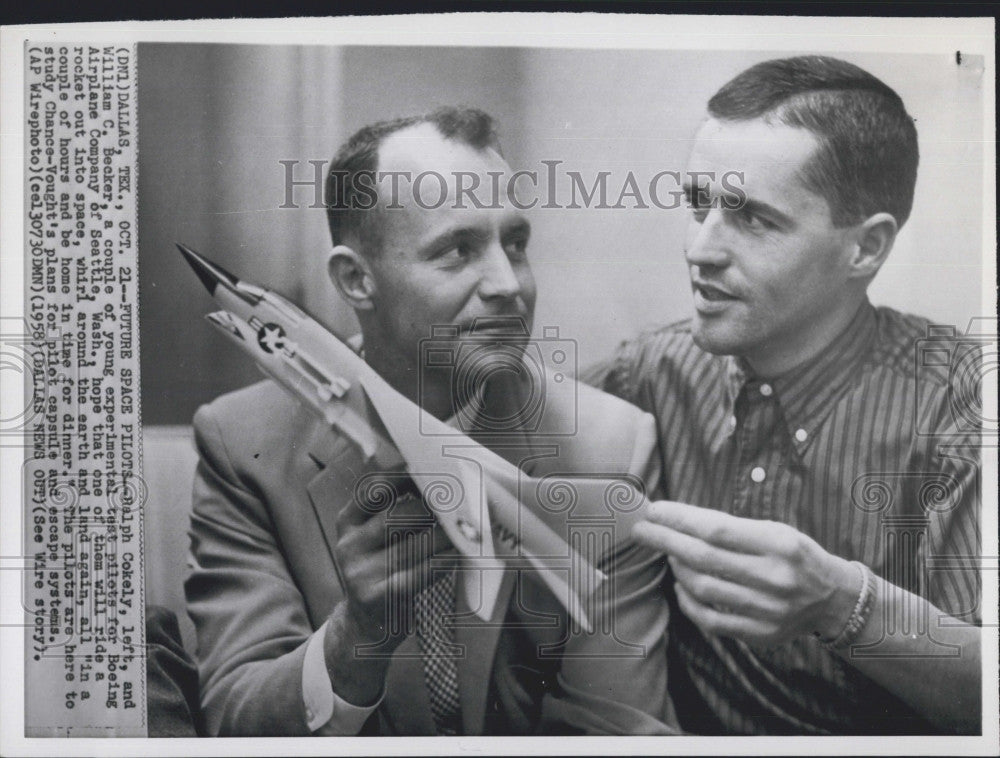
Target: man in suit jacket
[294,574]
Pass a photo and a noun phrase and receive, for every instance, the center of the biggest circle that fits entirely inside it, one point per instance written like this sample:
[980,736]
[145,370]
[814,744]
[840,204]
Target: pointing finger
[741,535]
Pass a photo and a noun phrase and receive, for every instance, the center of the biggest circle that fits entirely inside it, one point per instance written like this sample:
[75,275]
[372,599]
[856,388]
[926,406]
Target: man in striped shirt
[824,539]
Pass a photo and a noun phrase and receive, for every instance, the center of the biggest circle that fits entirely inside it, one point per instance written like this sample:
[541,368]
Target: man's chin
[500,326]
[494,342]
[713,339]
[482,359]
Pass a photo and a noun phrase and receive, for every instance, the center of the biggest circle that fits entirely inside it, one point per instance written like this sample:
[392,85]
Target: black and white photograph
[493,376]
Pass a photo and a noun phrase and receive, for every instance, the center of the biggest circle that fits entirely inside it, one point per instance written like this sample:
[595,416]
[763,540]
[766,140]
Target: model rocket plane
[472,495]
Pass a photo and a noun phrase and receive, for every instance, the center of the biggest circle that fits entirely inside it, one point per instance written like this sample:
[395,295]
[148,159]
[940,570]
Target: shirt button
[758,474]
[766,390]
[801,435]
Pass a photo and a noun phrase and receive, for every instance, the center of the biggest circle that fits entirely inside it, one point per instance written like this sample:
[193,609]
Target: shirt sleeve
[617,374]
[950,494]
[327,714]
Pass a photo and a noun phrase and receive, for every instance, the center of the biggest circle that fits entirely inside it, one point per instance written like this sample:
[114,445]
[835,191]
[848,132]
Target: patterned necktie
[437,644]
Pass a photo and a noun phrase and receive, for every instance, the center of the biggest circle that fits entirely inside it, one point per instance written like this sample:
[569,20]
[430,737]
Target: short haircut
[867,158]
[350,211]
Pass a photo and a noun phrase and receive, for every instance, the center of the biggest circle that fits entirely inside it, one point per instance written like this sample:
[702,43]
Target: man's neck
[775,361]
[429,392]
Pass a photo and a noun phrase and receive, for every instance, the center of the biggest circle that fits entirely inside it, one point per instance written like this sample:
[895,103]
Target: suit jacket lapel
[331,489]
[479,641]
[342,468]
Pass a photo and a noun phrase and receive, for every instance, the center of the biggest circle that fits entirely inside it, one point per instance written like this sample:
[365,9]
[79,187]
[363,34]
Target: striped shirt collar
[807,393]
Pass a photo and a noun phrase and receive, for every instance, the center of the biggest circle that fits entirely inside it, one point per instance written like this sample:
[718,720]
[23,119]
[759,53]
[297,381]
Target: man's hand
[382,555]
[762,582]
[383,559]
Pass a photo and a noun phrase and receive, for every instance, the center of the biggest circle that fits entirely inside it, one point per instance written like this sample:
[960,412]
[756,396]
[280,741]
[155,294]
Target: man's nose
[708,243]
[498,279]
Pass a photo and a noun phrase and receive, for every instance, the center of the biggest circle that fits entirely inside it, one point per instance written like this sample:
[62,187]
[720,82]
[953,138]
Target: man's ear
[351,275]
[874,239]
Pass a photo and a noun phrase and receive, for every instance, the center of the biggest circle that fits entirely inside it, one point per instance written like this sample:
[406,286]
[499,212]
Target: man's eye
[516,248]
[698,214]
[456,253]
[751,221]
[699,203]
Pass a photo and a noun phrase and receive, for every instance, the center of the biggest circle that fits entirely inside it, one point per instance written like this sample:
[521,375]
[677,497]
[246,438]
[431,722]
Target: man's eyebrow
[689,188]
[518,226]
[759,207]
[452,236]
[746,203]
